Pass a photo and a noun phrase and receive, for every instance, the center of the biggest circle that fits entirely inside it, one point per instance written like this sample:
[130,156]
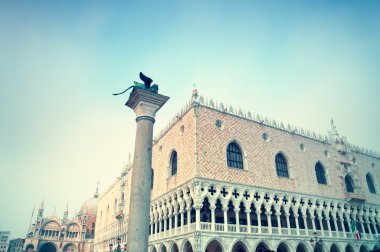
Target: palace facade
[230,180]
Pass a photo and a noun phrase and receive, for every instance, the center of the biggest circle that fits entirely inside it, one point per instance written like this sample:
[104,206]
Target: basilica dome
[90,206]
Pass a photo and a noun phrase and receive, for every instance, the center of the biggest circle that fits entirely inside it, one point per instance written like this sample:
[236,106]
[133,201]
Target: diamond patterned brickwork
[259,155]
[183,141]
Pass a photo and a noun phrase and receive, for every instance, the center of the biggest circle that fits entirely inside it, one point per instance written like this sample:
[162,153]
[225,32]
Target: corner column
[145,104]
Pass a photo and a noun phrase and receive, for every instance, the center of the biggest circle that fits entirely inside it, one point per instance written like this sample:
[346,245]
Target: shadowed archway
[239,247]
[48,247]
[261,247]
[214,246]
[301,248]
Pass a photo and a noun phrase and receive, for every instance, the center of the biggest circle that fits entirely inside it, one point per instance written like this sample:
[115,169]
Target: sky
[62,131]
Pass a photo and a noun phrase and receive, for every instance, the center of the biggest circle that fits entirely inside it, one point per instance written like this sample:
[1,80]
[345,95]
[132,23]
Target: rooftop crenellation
[255,117]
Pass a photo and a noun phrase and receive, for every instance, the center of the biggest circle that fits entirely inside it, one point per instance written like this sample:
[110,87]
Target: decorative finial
[96,195]
[67,207]
[129,158]
[195,94]
[333,128]
[42,204]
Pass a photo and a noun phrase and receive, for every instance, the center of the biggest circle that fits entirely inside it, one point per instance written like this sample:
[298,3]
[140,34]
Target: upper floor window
[371,186]
[173,163]
[281,166]
[320,173]
[349,184]
[234,156]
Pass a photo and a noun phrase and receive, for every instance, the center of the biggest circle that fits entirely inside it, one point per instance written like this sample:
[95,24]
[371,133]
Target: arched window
[349,184]
[173,163]
[234,156]
[371,186]
[281,166]
[320,173]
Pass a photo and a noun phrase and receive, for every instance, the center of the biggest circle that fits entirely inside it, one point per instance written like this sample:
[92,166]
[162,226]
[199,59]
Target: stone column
[188,217]
[165,224]
[312,218]
[212,209]
[225,209]
[287,214]
[170,223]
[237,220]
[278,215]
[320,218]
[269,219]
[175,221]
[374,227]
[297,224]
[248,213]
[181,211]
[155,228]
[145,104]
[304,217]
[363,229]
[151,227]
[369,228]
[336,226]
[328,226]
[197,217]
[258,214]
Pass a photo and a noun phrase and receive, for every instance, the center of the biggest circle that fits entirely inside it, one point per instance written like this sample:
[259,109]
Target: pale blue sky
[301,62]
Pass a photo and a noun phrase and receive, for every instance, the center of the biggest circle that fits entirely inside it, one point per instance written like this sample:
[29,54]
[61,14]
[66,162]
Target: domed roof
[90,206]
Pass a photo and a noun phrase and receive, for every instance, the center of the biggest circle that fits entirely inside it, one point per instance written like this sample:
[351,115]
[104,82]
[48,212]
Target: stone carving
[146,85]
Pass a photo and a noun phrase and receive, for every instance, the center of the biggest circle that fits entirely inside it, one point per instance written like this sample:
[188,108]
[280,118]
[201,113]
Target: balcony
[356,196]
[263,230]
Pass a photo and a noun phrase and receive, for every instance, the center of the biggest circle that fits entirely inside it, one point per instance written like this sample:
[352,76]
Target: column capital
[145,103]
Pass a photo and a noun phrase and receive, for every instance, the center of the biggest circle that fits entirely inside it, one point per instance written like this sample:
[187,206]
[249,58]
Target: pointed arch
[320,173]
[281,165]
[173,163]
[262,246]
[334,248]
[214,244]
[301,247]
[370,183]
[283,247]
[349,248]
[234,155]
[239,246]
[186,246]
[349,184]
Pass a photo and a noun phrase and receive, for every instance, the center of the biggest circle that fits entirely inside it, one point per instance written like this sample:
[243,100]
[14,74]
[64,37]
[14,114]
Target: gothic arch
[364,248]
[162,248]
[349,183]
[173,247]
[284,246]
[349,248]
[217,240]
[243,242]
[153,248]
[335,248]
[172,162]
[185,246]
[325,170]
[301,247]
[288,164]
[261,247]
[243,153]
